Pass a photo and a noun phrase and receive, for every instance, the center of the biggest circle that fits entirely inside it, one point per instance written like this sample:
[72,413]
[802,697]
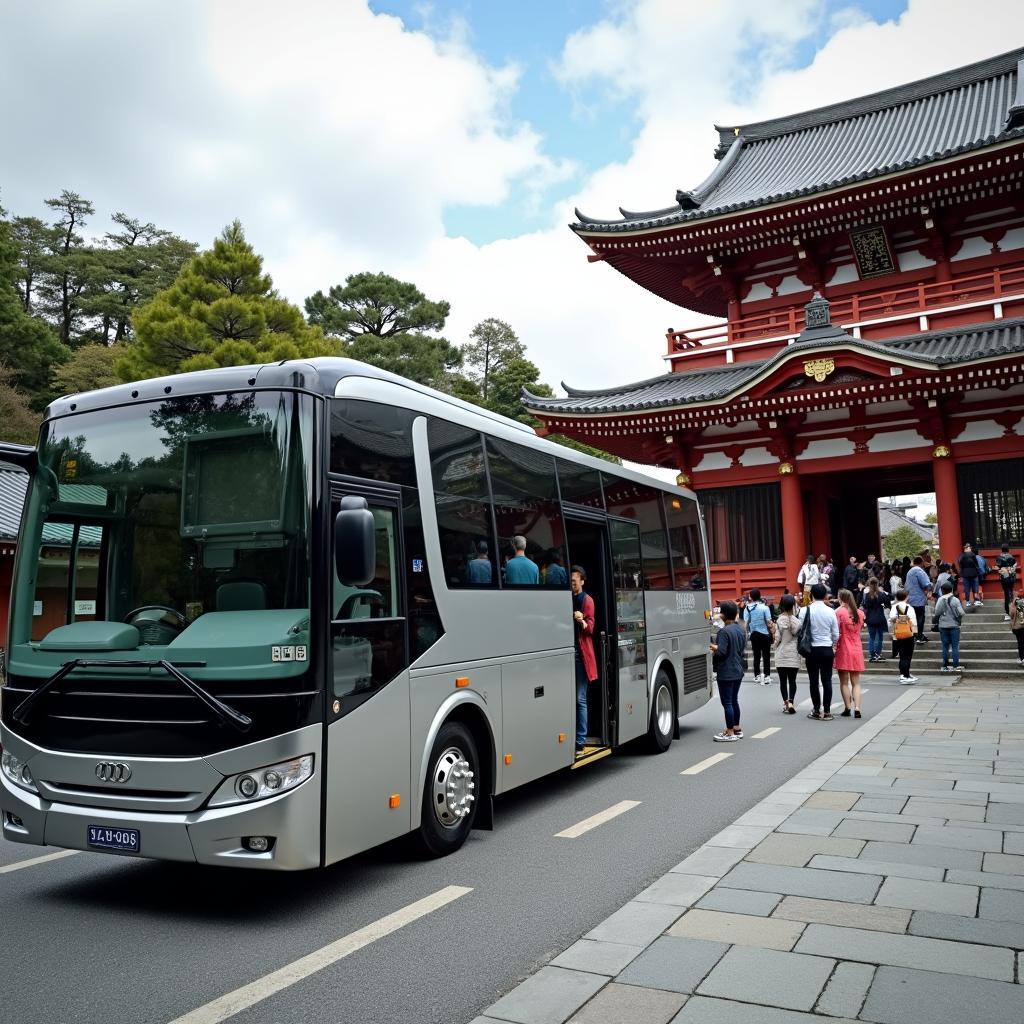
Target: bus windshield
[182,507]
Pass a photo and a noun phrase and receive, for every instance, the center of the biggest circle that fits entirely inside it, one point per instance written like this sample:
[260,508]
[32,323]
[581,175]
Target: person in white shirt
[824,627]
[903,646]
[808,576]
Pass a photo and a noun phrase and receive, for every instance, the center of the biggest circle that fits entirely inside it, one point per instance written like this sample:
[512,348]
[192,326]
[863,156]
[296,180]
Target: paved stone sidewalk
[883,883]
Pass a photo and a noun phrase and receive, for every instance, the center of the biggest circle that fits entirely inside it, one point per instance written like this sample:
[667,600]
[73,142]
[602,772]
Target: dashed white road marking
[575,831]
[701,766]
[19,864]
[765,733]
[248,995]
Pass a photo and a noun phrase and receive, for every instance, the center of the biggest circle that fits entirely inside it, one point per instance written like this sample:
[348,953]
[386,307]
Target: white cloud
[340,136]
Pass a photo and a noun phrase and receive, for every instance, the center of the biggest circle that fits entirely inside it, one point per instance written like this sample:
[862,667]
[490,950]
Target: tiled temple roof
[937,348]
[897,129]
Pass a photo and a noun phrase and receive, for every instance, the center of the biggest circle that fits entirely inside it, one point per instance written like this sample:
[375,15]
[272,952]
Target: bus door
[368,716]
[631,630]
[589,548]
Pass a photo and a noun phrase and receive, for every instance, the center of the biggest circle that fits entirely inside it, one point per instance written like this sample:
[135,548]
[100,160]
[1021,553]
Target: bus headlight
[17,771]
[260,783]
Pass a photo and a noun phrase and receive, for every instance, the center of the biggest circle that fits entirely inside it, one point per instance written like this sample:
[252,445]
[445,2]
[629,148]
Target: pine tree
[222,310]
[494,346]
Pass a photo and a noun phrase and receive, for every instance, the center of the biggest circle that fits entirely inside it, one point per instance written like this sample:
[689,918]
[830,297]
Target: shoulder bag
[803,637]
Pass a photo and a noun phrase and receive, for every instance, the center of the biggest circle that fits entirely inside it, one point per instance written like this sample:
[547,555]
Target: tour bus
[245,629]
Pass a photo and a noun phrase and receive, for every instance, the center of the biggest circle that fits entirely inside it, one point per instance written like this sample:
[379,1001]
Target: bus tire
[663,715]
[449,792]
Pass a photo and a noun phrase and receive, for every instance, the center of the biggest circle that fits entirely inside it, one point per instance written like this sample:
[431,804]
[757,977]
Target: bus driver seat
[241,596]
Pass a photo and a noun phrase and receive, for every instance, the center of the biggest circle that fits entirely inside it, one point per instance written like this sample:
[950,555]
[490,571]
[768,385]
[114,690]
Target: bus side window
[688,569]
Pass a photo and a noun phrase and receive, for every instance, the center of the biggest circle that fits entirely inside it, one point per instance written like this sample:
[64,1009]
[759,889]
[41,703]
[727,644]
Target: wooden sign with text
[872,253]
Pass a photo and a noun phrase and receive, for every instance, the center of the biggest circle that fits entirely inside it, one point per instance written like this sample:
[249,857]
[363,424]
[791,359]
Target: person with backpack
[903,618]
[729,660]
[808,576]
[758,619]
[947,616]
[875,601]
[970,574]
[823,629]
[849,652]
[1006,566]
[787,657]
[1017,623]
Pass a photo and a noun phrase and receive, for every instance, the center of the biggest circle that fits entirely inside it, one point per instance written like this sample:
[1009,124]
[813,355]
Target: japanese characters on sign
[872,253]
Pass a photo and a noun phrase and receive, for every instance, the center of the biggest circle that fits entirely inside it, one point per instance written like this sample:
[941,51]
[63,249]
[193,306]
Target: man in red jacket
[586,662]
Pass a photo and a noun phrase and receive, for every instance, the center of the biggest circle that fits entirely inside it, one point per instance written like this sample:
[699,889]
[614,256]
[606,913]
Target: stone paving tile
[673,964]
[990,879]
[896,819]
[914,853]
[486,1020]
[1005,792]
[846,915]
[740,901]
[700,1010]
[709,860]
[1001,905]
[597,957]
[1010,814]
[739,836]
[636,924]
[547,997]
[884,832]
[796,850]
[907,951]
[882,804]
[812,822]
[967,929]
[803,882]
[767,976]
[617,1003]
[915,894]
[959,838]
[677,890]
[900,996]
[739,929]
[878,867]
[1007,863]
[1013,842]
[844,994]
[945,809]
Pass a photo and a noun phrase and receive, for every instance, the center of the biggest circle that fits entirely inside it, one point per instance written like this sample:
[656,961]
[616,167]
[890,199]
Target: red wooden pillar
[820,542]
[947,504]
[794,532]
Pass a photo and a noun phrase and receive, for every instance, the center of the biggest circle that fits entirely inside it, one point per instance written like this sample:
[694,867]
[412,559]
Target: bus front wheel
[450,791]
[663,715]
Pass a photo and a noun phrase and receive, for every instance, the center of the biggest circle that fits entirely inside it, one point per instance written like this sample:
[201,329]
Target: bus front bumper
[215,835]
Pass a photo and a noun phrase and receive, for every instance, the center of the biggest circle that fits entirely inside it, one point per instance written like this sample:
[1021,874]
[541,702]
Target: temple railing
[851,311]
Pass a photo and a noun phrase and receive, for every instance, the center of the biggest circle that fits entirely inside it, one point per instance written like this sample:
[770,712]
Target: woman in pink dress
[849,652]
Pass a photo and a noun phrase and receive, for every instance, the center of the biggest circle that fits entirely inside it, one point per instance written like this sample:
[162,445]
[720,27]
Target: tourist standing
[851,575]
[787,657]
[948,615]
[849,652]
[824,636]
[1006,566]
[1017,623]
[873,567]
[895,579]
[759,621]
[917,586]
[729,653]
[901,616]
[968,565]
[875,601]
[807,578]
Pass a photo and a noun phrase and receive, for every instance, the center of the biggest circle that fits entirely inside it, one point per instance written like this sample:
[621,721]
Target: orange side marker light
[395,800]
[561,737]
[461,681]
[508,759]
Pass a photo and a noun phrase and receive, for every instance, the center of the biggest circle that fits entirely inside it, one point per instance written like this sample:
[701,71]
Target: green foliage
[222,310]
[903,542]
[931,519]
[375,304]
[66,265]
[18,423]
[91,366]
[493,348]
[33,239]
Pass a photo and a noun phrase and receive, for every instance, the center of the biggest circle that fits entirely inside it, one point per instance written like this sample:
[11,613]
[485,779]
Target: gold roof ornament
[785,468]
[819,369]
[941,451]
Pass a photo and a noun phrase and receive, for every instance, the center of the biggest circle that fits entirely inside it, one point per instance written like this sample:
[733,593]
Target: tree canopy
[903,542]
[222,310]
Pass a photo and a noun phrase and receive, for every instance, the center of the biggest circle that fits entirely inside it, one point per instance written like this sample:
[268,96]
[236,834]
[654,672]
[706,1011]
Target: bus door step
[590,754]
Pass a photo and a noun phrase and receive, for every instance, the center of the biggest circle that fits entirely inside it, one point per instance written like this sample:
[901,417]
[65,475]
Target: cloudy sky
[445,143]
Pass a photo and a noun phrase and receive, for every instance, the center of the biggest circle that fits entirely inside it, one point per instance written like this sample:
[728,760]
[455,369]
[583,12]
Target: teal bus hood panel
[235,646]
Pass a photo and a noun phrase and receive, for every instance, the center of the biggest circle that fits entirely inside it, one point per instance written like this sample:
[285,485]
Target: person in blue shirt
[759,621]
[729,660]
[555,574]
[917,586]
[479,571]
[520,570]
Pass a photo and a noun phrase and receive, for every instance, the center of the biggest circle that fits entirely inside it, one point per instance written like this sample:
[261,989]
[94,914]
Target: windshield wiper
[225,712]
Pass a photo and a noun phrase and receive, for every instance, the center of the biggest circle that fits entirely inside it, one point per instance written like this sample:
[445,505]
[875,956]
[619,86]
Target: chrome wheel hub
[663,710]
[453,788]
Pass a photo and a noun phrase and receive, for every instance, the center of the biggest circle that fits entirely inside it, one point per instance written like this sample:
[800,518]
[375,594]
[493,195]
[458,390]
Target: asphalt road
[95,940]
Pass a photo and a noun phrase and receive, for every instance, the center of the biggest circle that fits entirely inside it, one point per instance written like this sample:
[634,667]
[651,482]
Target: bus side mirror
[355,543]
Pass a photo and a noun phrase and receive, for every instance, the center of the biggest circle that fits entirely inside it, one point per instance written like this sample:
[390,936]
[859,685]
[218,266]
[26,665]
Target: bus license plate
[104,838]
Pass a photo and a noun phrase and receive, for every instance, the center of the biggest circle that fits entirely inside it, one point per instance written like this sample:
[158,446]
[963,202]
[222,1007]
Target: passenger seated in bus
[555,574]
[478,568]
[586,661]
[519,569]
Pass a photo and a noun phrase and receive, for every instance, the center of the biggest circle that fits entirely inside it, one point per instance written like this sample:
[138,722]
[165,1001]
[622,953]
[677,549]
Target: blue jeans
[950,637]
[729,695]
[971,588]
[581,702]
[876,634]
